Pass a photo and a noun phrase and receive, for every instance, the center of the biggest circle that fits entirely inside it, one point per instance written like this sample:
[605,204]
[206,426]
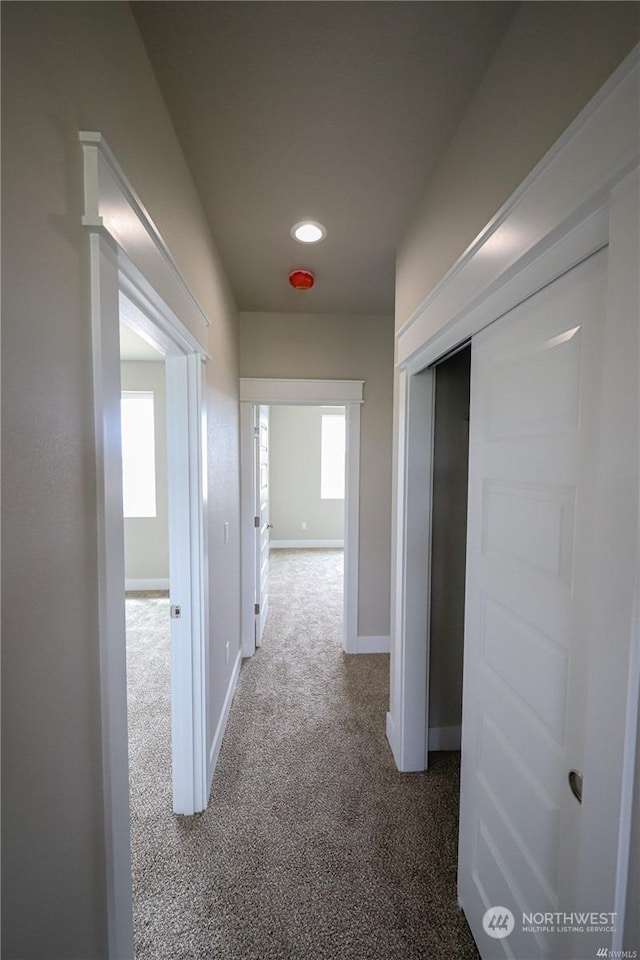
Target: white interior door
[188,738]
[262,526]
[535,393]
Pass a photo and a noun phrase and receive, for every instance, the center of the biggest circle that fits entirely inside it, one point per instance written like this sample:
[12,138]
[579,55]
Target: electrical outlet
[304,524]
[227,651]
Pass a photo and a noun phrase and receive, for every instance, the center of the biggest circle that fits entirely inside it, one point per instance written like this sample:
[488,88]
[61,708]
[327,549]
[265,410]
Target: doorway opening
[324,496]
[306,502]
[146,561]
[307,476]
[450,486]
[161,413]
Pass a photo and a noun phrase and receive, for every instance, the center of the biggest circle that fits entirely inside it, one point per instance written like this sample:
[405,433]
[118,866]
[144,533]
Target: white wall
[552,60]
[146,539]
[67,67]
[295,435]
[351,348]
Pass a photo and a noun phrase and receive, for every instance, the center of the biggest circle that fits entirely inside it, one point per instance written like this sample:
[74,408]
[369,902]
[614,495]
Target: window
[138,455]
[332,459]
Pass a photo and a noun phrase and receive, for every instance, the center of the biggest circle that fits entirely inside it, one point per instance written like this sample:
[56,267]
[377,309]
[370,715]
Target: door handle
[575,782]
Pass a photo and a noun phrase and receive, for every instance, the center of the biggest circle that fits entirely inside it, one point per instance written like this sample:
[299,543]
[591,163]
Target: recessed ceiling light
[307,231]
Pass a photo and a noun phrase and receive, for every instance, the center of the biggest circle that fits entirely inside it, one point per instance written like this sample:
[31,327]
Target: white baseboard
[305,544]
[391,737]
[372,645]
[214,752]
[157,583]
[445,738]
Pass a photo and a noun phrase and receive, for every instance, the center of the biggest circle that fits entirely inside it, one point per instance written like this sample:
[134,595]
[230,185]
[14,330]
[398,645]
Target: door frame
[581,197]
[286,392]
[133,276]
[261,532]
[185,426]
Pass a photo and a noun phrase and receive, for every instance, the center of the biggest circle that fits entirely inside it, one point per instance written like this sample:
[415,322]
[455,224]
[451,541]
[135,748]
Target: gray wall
[67,67]
[295,435]
[449,539]
[146,539]
[553,59]
[352,348]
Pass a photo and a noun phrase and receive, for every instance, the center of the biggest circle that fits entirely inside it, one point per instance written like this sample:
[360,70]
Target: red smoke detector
[301,280]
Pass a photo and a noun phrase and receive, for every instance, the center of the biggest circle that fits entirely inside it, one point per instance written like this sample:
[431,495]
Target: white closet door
[535,393]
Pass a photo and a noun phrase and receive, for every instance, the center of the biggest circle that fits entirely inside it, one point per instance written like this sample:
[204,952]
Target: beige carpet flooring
[313,845]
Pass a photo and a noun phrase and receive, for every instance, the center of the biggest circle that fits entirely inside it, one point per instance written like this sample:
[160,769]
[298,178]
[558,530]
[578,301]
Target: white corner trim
[112,204]
[445,738]
[305,544]
[216,743]
[157,583]
[320,392]
[111,598]
[372,645]
[573,179]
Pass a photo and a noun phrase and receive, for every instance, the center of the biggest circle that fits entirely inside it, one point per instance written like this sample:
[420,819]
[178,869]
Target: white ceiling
[133,347]
[333,111]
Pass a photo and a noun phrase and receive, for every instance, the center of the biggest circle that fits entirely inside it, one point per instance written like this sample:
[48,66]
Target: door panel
[535,387]
[262,531]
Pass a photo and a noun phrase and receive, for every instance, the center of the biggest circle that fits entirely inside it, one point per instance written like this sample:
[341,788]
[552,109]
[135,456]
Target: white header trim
[266,390]
[112,204]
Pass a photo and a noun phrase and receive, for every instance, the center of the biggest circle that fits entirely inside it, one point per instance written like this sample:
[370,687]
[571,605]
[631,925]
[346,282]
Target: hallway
[313,845]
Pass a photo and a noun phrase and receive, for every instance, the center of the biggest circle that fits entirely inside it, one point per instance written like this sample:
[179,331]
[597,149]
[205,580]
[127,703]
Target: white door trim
[347,393]
[412,560]
[128,257]
[569,207]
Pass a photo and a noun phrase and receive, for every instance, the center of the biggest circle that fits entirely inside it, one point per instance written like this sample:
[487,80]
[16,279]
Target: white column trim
[111,620]
[110,202]
[131,268]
